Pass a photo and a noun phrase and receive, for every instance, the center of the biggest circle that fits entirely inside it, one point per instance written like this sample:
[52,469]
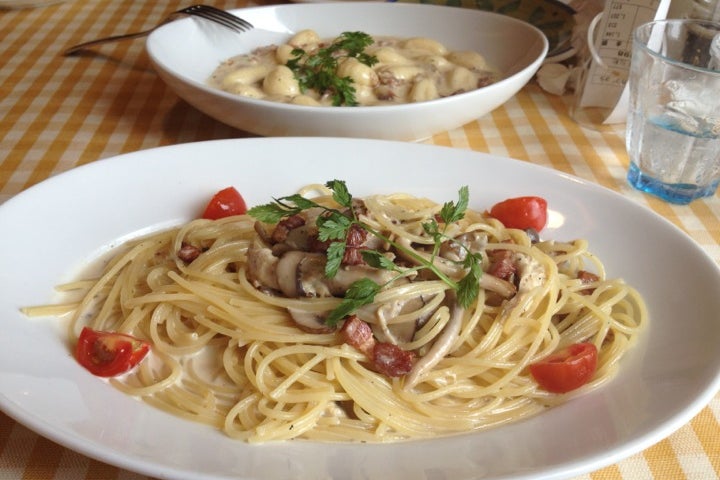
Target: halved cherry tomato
[225,203]
[107,354]
[566,369]
[521,212]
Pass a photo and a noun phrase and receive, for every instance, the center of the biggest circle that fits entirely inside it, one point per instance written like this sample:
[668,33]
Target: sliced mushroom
[440,348]
[299,238]
[398,332]
[261,230]
[457,248]
[311,279]
[346,276]
[286,273]
[497,285]
[310,322]
[298,235]
[302,274]
[262,266]
[533,235]
[403,332]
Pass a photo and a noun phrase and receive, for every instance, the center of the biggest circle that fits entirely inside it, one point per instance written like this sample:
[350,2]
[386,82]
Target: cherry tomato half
[521,212]
[225,203]
[107,354]
[566,369]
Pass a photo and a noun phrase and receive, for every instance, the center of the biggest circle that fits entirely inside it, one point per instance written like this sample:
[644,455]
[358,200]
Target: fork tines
[216,15]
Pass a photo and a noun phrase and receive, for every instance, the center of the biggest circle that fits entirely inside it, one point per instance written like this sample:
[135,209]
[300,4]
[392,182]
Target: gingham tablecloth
[57,113]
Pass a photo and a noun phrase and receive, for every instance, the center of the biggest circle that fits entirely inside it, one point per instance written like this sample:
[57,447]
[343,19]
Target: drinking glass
[673,127]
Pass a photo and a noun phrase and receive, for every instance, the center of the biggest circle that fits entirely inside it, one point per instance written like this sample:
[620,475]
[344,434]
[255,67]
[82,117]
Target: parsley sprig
[318,70]
[334,225]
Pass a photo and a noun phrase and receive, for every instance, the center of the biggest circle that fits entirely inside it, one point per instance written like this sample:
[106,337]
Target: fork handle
[81,46]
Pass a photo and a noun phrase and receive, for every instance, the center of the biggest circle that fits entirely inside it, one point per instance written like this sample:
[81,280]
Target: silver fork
[221,17]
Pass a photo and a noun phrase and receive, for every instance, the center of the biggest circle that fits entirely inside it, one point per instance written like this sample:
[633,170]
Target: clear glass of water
[673,127]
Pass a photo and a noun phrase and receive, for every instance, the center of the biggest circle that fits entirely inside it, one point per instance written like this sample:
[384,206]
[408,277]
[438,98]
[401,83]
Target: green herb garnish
[318,70]
[334,225]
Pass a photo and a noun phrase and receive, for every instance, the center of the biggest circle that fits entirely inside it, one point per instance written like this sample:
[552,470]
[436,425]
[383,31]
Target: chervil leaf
[280,208]
[469,285]
[361,292]
[268,213]
[354,43]
[298,201]
[333,227]
[452,212]
[368,60]
[344,93]
[318,70]
[335,254]
[340,192]
[377,260]
[432,228]
[468,290]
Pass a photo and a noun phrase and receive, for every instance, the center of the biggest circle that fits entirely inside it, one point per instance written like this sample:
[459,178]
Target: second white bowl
[185,53]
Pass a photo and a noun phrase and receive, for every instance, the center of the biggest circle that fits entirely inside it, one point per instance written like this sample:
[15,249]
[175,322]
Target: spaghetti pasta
[228,351]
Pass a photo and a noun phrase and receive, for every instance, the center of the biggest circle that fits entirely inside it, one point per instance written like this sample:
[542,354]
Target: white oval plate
[50,230]
[186,52]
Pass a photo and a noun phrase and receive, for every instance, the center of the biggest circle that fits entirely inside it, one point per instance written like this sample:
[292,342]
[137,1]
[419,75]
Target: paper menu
[602,95]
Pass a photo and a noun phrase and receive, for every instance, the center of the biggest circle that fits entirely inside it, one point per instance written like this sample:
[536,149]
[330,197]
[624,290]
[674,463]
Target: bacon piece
[188,253]
[392,360]
[356,237]
[284,226]
[358,334]
[386,358]
[354,245]
[501,264]
[353,256]
[587,278]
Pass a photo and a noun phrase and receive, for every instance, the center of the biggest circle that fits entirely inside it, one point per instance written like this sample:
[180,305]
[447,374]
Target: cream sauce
[408,70]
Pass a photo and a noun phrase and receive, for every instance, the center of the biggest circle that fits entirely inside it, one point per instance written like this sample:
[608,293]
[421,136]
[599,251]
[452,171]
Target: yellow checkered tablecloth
[57,113]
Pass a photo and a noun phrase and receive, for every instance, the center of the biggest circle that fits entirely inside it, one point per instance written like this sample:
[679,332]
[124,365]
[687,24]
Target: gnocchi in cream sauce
[408,70]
